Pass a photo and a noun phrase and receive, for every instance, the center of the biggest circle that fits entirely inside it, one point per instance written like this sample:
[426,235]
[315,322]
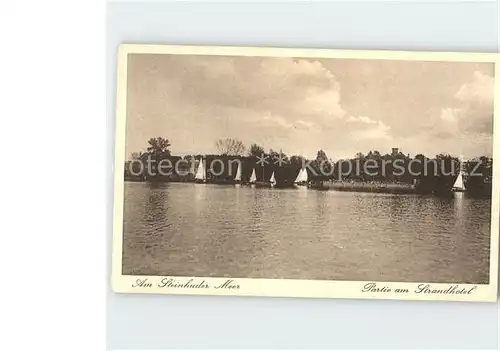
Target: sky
[299,106]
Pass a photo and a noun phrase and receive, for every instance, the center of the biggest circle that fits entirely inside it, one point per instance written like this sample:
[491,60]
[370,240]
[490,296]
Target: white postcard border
[291,287]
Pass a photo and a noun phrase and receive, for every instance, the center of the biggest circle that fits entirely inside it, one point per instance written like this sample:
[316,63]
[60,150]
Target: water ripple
[210,230]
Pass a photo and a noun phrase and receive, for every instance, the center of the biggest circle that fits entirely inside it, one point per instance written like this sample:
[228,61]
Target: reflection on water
[222,231]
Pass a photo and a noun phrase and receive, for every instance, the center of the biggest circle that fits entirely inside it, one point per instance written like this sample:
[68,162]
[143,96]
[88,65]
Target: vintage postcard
[306,173]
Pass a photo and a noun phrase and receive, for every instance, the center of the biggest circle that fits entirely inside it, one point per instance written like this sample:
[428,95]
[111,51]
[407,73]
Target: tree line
[430,174]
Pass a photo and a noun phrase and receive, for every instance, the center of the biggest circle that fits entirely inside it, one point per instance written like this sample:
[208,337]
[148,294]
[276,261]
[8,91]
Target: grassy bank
[369,187]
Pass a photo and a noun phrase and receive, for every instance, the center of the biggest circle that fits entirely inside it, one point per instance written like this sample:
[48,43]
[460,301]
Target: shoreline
[367,187]
[347,186]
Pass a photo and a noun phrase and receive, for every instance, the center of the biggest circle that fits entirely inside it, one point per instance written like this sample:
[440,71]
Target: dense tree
[278,158]
[359,156]
[230,147]
[255,150]
[322,166]
[435,175]
[297,160]
[447,165]
[159,147]
[479,176]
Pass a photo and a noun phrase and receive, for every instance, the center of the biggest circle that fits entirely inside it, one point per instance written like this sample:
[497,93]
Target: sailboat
[459,183]
[201,176]
[253,178]
[272,180]
[301,177]
[237,178]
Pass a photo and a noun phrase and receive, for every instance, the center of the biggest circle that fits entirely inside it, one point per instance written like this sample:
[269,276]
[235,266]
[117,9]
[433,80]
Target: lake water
[186,229]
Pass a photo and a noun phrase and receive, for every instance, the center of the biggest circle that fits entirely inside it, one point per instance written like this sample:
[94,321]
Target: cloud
[472,112]
[466,126]
[302,105]
[294,98]
[478,90]
[269,119]
[379,131]
[369,129]
[361,119]
[450,115]
[476,105]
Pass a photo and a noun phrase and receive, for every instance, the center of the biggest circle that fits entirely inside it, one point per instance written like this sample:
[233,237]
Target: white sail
[302,176]
[253,177]
[297,180]
[459,183]
[272,180]
[238,174]
[200,173]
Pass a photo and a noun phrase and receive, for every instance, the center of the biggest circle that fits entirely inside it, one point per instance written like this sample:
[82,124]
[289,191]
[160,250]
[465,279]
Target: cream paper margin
[289,287]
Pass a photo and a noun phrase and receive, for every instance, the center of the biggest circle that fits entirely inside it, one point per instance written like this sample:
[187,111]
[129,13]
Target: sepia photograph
[306,173]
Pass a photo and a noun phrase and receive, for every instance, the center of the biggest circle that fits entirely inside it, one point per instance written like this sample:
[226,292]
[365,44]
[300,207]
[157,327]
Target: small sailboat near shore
[459,185]
[262,183]
[201,176]
[272,181]
[253,177]
[301,177]
[237,178]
